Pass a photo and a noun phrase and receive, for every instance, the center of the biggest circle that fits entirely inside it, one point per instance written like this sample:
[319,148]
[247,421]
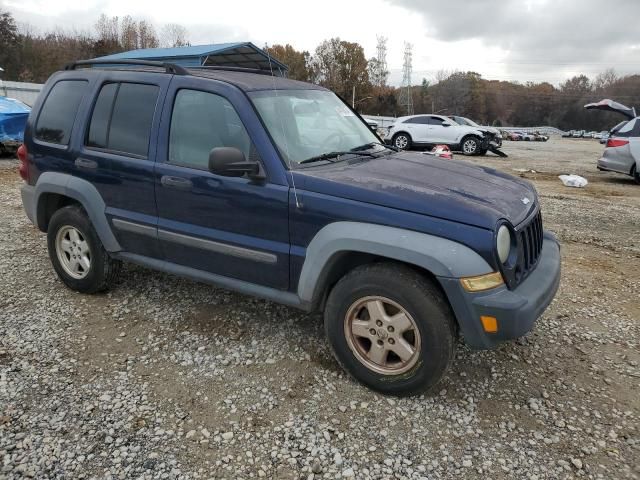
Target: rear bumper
[28,194]
[516,310]
[615,165]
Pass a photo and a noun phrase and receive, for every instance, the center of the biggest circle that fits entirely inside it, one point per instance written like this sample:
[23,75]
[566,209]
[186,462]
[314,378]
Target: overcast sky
[527,40]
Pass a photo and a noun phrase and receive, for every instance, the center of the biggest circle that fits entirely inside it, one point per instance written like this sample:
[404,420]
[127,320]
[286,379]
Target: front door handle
[86,163]
[176,182]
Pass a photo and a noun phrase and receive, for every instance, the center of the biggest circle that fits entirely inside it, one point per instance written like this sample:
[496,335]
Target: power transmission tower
[406,99]
[381,73]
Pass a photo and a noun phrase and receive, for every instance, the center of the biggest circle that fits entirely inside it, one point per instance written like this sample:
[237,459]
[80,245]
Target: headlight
[503,243]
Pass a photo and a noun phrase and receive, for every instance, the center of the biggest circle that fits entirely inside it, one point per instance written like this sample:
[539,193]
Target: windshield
[308,123]
[465,121]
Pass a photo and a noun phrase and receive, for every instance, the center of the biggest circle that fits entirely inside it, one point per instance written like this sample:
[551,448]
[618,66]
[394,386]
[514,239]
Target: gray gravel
[165,378]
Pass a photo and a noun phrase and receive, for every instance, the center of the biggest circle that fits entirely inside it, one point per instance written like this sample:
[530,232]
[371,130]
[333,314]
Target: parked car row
[585,134]
[518,136]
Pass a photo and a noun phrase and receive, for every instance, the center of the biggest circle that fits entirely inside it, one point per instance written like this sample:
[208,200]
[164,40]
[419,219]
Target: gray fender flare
[83,192]
[442,257]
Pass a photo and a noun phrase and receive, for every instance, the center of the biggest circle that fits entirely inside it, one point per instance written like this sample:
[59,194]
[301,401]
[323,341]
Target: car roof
[247,81]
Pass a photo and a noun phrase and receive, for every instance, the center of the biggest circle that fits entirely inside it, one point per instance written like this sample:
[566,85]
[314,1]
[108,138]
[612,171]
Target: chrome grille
[530,237]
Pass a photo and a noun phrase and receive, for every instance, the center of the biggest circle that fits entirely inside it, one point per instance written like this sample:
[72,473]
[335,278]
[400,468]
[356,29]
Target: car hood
[410,181]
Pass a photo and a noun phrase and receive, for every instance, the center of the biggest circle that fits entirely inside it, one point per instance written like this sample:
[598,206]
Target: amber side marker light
[482,282]
[490,324]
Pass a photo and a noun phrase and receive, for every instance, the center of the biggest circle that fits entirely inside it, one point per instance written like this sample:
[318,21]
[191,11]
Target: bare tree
[173,35]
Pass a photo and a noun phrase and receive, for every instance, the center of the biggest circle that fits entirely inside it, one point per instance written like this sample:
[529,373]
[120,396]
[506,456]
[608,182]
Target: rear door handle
[176,182]
[86,163]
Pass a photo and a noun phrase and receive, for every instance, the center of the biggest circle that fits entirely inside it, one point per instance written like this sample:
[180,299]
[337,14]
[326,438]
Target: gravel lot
[166,378]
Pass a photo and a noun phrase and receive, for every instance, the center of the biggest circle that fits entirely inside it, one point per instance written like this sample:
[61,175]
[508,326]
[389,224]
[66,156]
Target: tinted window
[200,122]
[101,115]
[435,121]
[419,120]
[629,129]
[59,111]
[131,119]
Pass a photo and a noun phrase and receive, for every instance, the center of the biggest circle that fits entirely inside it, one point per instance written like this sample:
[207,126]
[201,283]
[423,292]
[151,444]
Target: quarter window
[122,118]
[200,122]
[58,113]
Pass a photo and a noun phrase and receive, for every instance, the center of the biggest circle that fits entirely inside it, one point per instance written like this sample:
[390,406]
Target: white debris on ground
[573,181]
[163,378]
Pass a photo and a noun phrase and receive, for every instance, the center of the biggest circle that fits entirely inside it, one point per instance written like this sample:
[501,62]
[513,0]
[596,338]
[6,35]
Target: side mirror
[446,124]
[231,162]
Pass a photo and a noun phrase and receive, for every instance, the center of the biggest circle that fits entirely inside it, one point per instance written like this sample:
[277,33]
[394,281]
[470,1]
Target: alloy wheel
[73,252]
[382,335]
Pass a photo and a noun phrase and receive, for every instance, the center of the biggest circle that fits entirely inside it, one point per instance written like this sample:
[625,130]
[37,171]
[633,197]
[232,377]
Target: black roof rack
[169,67]
[230,68]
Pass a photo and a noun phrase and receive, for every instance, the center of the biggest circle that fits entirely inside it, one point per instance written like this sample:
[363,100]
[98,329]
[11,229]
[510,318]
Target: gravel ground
[166,378]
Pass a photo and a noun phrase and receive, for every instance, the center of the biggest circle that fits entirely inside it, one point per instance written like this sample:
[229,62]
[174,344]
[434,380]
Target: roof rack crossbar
[169,67]
[231,68]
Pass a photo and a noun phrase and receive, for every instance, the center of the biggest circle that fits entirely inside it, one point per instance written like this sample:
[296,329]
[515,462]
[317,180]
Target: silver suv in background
[622,151]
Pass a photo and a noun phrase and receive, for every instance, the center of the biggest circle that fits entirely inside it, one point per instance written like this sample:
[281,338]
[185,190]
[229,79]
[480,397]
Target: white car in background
[428,130]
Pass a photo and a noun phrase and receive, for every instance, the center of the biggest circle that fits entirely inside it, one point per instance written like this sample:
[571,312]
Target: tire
[635,174]
[91,269]
[402,139]
[399,289]
[482,152]
[470,145]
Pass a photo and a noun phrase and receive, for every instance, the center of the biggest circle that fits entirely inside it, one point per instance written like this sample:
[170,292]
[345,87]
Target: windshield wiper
[369,145]
[330,156]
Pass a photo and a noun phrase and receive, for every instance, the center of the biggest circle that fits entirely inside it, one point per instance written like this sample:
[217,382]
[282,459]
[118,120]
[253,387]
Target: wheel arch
[55,190]
[342,246]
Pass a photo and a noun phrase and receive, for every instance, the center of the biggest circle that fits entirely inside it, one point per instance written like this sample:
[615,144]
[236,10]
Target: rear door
[229,226]
[119,152]
[417,128]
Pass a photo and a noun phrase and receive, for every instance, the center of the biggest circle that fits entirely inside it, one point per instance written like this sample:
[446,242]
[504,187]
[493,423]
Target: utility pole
[406,98]
[381,73]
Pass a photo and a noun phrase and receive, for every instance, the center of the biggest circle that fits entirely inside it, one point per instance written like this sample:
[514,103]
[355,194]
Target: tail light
[616,142]
[24,162]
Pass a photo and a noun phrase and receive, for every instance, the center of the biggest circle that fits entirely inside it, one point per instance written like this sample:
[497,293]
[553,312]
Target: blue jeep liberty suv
[278,189]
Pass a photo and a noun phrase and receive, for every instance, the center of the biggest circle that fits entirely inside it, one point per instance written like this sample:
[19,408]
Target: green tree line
[343,67]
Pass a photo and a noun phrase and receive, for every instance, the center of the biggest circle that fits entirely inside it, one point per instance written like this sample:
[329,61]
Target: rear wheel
[402,141]
[390,328]
[77,254]
[635,174]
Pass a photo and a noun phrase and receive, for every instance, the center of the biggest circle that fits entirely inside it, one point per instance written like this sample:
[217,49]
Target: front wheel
[402,141]
[390,328]
[77,254]
[470,146]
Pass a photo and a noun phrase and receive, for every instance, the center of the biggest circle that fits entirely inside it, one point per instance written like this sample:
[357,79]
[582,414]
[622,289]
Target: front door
[229,226]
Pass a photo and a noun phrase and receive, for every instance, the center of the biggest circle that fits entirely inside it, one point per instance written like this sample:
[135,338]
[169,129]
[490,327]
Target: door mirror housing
[231,162]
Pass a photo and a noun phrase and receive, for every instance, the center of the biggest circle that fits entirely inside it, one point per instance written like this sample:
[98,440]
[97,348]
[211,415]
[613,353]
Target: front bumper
[515,310]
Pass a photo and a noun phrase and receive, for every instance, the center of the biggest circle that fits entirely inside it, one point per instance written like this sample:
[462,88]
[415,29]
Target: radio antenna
[284,136]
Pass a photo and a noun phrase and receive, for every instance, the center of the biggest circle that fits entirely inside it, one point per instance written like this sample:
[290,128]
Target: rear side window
[58,113]
[419,120]
[122,117]
[629,129]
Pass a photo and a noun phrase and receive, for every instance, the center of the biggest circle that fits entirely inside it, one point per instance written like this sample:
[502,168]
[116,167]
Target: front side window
[58,113]
[308,123]
[200,122]
[122,118]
